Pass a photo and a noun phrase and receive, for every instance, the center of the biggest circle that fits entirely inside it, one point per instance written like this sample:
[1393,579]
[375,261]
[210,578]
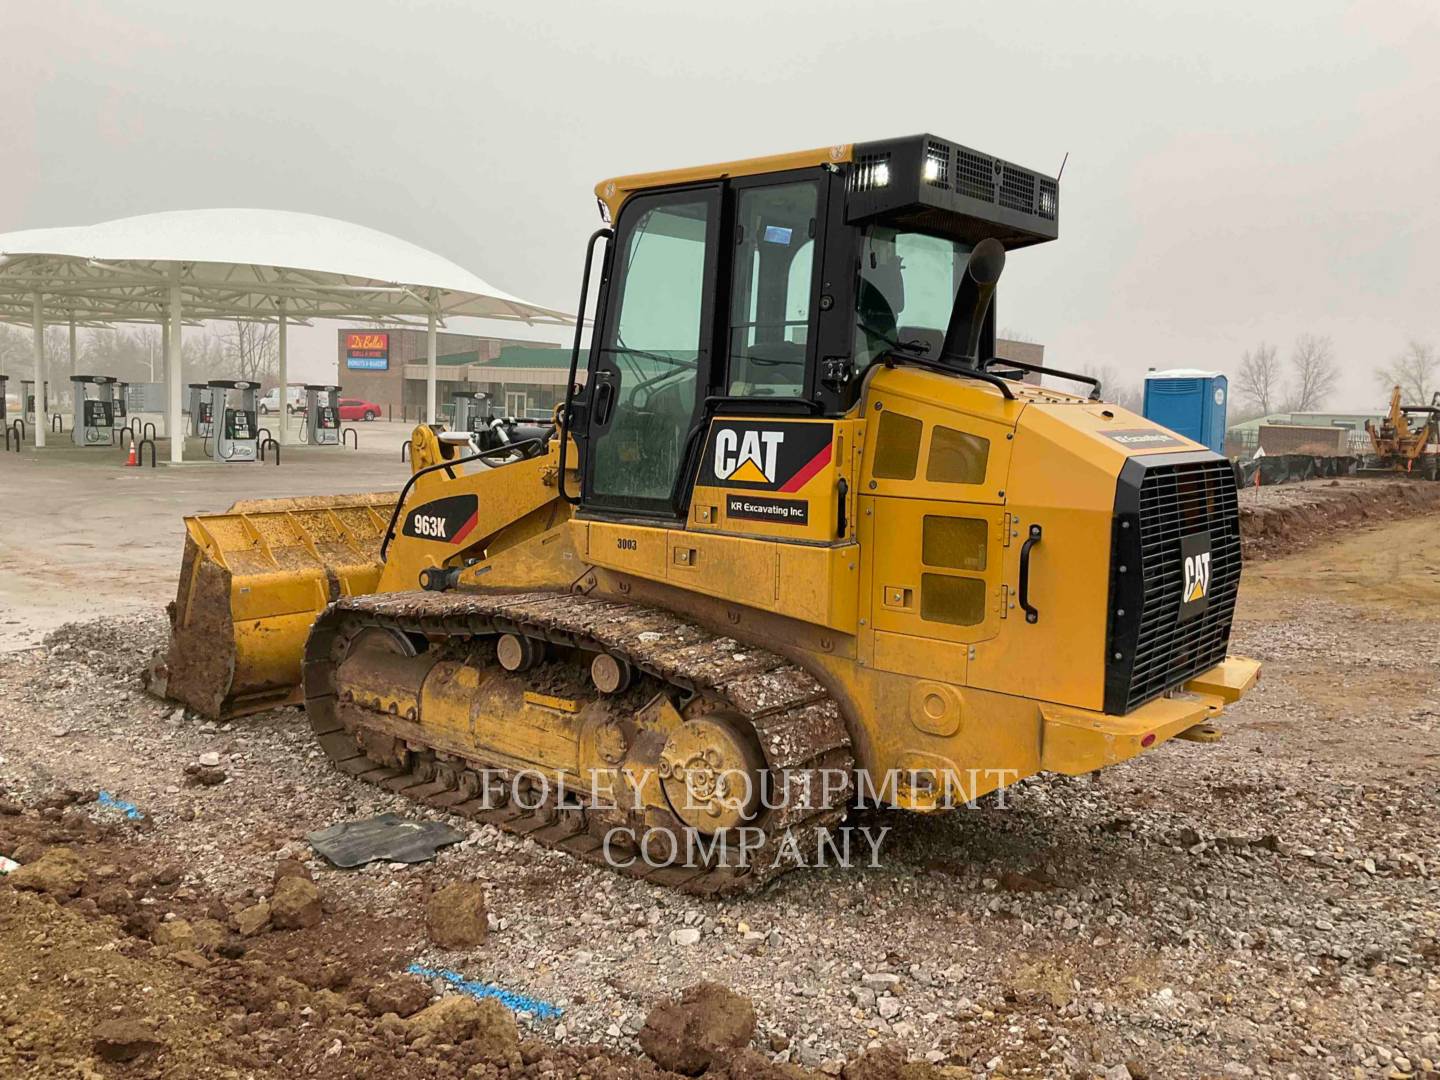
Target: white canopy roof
[270,265]
[239,264]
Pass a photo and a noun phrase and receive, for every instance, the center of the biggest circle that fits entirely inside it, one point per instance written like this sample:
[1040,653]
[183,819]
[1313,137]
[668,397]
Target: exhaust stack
[972,303]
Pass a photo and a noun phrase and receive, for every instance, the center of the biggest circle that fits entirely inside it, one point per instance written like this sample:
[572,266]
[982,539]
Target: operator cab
[769,286]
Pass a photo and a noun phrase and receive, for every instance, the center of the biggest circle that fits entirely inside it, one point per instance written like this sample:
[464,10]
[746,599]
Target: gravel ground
[1267,906]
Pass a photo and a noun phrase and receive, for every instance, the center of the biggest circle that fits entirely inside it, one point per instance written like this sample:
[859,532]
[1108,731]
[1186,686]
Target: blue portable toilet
[1189,402]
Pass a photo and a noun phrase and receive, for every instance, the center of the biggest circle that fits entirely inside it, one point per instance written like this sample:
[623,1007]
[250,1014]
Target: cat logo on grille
[1195,575]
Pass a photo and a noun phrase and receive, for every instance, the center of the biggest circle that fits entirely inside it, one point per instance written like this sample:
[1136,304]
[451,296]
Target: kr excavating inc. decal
[765,455]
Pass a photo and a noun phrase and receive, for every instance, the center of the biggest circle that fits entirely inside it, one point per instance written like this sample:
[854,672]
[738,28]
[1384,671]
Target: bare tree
[57,355]
[251,349]
[205,355]
[1260,377]
[135,354]
[1113,387]
[16,352]
[1414,371]
[1315,372]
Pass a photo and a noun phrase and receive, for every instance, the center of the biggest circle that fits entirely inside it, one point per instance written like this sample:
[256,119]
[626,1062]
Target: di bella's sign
[367,351]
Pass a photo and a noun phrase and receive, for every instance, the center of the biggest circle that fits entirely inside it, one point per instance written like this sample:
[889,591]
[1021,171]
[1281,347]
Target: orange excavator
[1407,439]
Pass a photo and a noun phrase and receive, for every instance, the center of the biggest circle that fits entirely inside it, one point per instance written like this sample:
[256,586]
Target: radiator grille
[1152,650]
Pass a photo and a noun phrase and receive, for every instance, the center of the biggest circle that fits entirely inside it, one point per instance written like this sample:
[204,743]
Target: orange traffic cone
[132,459]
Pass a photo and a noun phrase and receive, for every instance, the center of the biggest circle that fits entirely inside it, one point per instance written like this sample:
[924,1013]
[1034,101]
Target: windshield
[907,287]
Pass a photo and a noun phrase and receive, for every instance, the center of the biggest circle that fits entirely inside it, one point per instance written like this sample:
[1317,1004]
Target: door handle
[1032,614]
[604,398]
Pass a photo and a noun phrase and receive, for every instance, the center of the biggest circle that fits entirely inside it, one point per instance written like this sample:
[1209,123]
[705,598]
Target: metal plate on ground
[387,837]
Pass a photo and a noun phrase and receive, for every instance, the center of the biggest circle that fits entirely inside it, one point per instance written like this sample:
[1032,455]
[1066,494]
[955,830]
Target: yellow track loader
[796,538]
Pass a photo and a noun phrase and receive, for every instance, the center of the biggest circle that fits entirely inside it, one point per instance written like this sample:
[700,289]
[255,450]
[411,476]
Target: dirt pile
[1286,518]
[707,1023]
[149,970]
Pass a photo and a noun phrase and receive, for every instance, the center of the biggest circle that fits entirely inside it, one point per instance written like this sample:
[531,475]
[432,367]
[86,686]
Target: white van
[294,399]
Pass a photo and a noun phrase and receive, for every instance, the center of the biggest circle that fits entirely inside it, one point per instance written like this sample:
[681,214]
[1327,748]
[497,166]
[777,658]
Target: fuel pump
[489,432]
[202,423]
[469,411]
[27,402]
[322,415]
[122,407]
[93,423]
[233,413]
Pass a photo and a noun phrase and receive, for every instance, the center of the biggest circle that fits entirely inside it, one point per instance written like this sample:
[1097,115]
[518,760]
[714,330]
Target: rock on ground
[456,1019]
[295,903]
[253,919]
[685,1036]
[178,933]
[401,995]
[57,872]
[124,1040]
[455,916]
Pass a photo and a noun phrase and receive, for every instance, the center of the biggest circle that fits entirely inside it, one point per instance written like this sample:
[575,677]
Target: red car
[359,409]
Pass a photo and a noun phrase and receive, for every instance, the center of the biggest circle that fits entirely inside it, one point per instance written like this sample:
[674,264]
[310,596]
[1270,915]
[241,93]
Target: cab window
[774,264]
[649,371]
[907,286]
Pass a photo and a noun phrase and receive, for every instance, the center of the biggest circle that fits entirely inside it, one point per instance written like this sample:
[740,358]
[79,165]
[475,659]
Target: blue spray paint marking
[129,809]
[509,998]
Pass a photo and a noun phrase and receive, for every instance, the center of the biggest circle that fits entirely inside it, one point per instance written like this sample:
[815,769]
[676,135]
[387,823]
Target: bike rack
[264,434]
[350,431]
[140,451]
[9,432]
[19,425]
[405,448]
[267,441]
[148,431]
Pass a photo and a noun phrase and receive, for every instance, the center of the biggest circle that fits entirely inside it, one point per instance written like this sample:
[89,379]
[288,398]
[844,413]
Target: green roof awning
[459,359]
[525,356]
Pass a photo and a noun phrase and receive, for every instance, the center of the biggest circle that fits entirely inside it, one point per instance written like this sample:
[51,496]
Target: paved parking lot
[81,534]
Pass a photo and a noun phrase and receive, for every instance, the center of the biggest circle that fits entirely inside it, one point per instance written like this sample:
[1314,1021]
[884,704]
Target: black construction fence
[1289,468]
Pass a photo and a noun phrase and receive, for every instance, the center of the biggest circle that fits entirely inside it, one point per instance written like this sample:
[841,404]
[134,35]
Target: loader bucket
[252,580]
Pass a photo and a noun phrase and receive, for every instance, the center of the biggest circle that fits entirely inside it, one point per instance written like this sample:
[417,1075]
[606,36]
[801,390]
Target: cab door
[651,365]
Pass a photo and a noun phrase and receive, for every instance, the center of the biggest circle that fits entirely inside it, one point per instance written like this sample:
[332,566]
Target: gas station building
[387,365]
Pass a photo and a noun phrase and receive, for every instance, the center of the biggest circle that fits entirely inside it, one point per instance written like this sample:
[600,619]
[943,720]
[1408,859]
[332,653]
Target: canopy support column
[284,378]
[74,353]
[430,370]
[173,421]
[37,327]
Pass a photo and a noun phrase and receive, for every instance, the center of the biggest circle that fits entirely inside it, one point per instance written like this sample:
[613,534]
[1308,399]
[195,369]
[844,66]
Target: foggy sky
[1238,171]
